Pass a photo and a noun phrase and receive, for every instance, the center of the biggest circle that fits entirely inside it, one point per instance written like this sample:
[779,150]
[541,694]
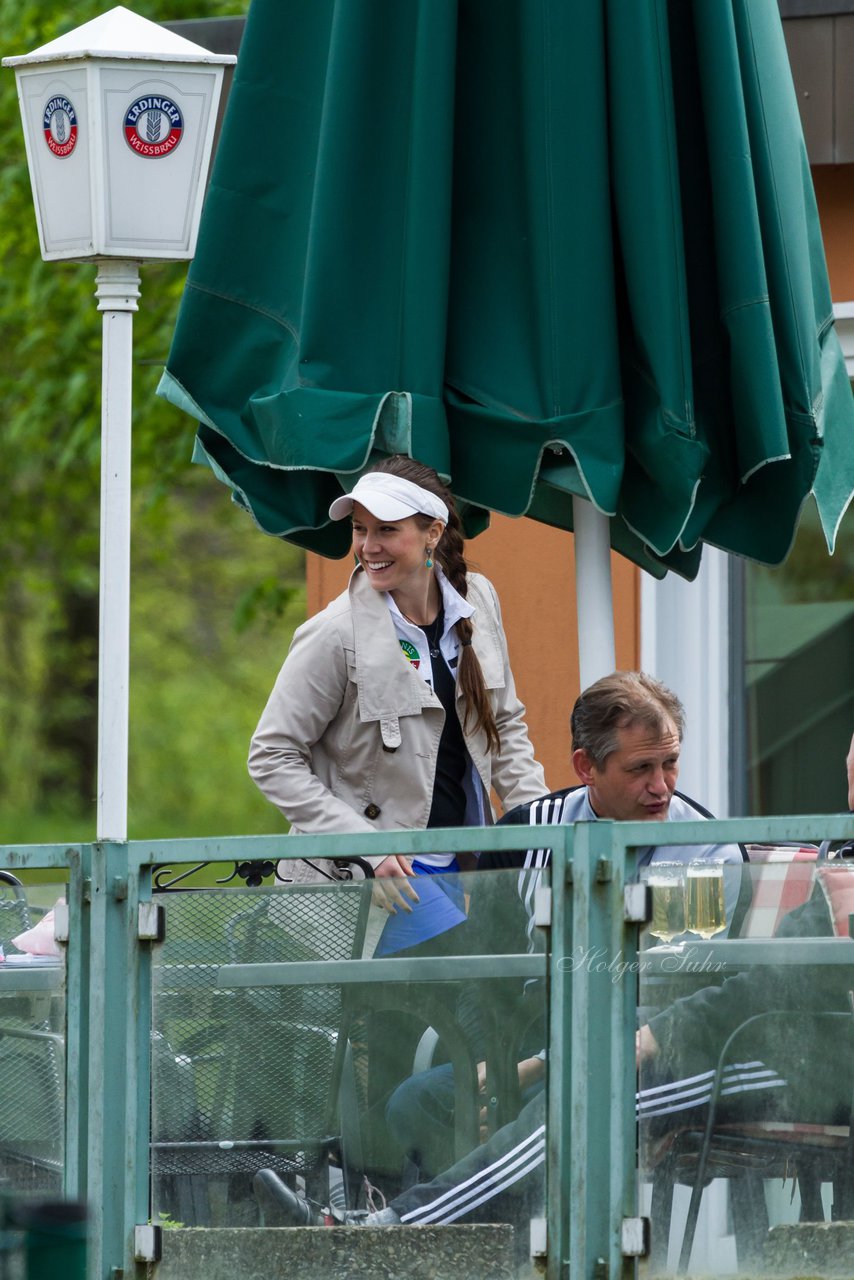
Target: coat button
[373,811]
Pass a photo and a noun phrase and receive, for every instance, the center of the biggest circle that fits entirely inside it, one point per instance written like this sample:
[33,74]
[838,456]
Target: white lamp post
[119,119]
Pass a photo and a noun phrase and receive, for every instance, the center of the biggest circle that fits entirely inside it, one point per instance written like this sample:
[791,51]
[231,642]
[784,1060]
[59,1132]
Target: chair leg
[750,1219]
[843,1192]
[661,1214]
[843,1183]
[691,1223]
[809,1185]
[192,1201]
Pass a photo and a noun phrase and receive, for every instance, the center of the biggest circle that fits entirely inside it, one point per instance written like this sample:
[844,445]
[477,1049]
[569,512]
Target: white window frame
[843,314]
[685,642]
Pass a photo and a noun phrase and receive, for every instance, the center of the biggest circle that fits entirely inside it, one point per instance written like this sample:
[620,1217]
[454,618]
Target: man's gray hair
[616,702]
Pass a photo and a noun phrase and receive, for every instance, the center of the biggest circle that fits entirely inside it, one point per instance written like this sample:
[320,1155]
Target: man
[626,739]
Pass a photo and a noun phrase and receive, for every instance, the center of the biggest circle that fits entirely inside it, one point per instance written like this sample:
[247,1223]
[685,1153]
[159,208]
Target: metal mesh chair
[248,1078]
[32,1112]
[32,1079]
[806,1135]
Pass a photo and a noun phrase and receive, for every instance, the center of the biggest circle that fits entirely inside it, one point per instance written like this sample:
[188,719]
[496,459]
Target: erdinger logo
[60,126]
[153,126]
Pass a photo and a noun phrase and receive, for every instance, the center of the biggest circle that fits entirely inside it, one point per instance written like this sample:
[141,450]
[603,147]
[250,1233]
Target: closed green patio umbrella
[555,249]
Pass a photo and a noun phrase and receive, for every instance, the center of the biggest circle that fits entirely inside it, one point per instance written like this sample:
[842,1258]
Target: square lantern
[119,118]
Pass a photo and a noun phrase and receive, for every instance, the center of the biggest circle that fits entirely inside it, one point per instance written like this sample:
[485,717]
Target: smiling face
[637,781]
[392,553]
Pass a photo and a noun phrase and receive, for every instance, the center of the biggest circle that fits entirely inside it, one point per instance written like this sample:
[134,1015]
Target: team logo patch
[411,653]
[59,122]
[153,126]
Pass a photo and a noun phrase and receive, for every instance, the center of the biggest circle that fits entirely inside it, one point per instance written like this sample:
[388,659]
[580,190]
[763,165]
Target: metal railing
[113,921]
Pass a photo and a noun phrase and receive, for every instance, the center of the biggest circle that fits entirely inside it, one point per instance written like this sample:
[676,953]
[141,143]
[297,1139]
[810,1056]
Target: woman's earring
[428,563]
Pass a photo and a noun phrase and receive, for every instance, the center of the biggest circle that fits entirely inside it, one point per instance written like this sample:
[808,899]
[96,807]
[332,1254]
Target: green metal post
[593,972]
[559,1130]
[119,1039]
[77,1023]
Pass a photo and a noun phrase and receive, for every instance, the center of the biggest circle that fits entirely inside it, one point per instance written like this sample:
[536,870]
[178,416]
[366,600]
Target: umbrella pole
[117,291]
[593,592]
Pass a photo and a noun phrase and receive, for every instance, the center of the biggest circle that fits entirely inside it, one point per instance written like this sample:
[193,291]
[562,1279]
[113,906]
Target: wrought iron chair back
[14,908]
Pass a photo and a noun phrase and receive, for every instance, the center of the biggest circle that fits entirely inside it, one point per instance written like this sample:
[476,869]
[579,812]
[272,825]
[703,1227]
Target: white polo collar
[452,602]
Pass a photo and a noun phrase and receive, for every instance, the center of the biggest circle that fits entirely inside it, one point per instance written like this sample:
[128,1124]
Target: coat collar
[388,686]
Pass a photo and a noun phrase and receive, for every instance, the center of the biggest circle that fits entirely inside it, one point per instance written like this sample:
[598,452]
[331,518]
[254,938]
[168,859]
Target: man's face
[637,780]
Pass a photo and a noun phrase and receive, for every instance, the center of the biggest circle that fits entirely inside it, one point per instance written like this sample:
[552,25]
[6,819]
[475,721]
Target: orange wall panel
[834,189]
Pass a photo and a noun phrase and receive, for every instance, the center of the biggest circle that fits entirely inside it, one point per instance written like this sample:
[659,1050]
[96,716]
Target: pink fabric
[39,941]
[837,881]
[782,880]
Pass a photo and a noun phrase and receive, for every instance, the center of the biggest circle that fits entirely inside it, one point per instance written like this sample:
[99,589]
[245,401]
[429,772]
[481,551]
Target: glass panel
[799,651]
[32,1030]
[315,1056]
[746,1048]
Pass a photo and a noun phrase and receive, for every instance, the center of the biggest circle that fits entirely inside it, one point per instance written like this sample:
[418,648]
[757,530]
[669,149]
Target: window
[799,674]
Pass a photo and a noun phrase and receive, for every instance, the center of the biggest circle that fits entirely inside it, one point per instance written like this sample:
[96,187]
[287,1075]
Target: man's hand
[531,1071]
[646,1045]
[849,764]
[389,886]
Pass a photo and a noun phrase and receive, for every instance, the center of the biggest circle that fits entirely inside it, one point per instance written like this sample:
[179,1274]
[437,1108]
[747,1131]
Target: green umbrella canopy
[550,248]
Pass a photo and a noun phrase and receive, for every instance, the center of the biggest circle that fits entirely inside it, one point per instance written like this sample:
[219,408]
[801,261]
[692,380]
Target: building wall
[834,189]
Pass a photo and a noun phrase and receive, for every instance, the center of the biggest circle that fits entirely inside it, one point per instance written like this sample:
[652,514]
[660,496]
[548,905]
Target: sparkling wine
[668,906]
[706,911]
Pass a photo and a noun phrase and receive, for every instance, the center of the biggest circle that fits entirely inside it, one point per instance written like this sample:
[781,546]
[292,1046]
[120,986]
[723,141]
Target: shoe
[280,1205]
[283,1207]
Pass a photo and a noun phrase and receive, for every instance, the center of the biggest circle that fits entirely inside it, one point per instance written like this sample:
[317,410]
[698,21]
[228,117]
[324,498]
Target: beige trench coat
[349,737]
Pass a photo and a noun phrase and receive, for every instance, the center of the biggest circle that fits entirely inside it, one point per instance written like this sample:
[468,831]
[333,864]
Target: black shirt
[449,800]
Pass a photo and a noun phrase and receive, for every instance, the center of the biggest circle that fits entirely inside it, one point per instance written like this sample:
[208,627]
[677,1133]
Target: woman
[396,706]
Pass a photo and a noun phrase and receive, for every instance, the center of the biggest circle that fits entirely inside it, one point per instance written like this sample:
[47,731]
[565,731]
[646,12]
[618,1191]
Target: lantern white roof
[119,33]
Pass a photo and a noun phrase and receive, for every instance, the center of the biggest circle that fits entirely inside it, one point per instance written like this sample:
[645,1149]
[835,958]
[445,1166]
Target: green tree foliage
[197,685]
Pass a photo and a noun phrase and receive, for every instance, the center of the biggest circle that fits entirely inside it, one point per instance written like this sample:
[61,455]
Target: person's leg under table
[419,1116]
[491,1182]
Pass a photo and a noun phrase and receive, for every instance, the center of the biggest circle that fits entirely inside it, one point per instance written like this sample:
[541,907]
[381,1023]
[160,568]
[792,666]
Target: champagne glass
[667,886]
[706,910]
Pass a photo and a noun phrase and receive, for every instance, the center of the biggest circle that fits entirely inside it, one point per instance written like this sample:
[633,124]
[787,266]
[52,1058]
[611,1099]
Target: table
[667,972]
[731,955]
[26,978]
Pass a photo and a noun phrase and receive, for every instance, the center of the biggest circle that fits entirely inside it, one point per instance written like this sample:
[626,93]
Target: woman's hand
[390,884]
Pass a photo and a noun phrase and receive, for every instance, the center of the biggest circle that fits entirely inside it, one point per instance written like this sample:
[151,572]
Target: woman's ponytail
[449,553]
[469,674]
